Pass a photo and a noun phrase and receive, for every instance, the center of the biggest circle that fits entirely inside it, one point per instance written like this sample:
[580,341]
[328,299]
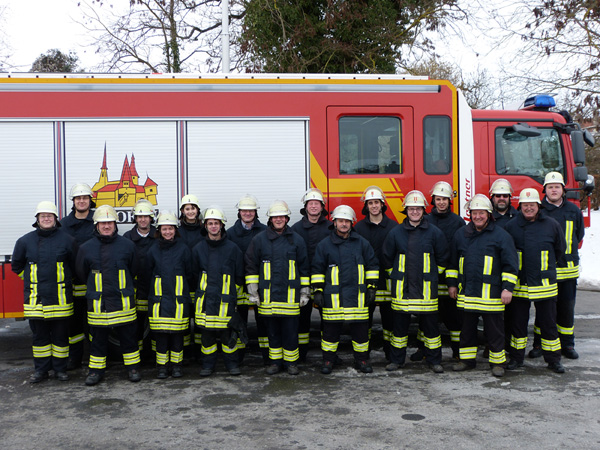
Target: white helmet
[442,189]
[190,199]
[143,208]
[344,212]
[214,212]
[80,189]
[247,202]
[279,208]
[415,198]
[373,193]
[167,218]
[481,202]
[46,207]
[501,186]
[529,195]
[554,177]
[105,213]
[313,194]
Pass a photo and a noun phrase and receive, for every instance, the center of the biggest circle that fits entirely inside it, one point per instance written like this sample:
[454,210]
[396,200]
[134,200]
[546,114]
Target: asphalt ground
[411,408]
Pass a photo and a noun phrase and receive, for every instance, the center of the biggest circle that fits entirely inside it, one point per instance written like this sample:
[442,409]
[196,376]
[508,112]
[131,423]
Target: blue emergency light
[540,101]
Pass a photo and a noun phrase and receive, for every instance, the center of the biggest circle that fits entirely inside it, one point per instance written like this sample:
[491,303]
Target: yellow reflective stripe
[511,278]
[569,236]
[222,309]
[60,272]
[96,305]
[33,273]
[520,256]
[122,279]
[178,310]
[335,276]
[451,273]
[158,286]
[399,341]
[178,285]
[551,346]
[291,297]
[305,281]
[544,262]
[291,269]
[485,290]
[497,357]
[226,284]
[426,263]
[62,295]
[467,352]
[461,263]
[317,278]
[335,301]
[267,270]
[250,279]
[98,282]
[487,265]
[401,262]
[329,346]
[426,289]
[361,274]
[203,281]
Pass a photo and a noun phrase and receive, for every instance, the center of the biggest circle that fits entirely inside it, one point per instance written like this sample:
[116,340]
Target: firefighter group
[194,281]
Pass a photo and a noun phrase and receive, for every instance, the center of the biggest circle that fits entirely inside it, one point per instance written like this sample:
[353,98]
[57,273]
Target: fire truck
[162,136]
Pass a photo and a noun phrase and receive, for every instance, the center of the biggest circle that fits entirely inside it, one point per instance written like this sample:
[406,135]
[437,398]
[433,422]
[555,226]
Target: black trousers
[359,332]
[430,328]
[77,326]
[451,317]
[210,347]
[283,339]
[127,334]
[304,329]
[493,328]
[565,315]
[387,323]
[169,347]
[517,313]
[261,332]
[50,344]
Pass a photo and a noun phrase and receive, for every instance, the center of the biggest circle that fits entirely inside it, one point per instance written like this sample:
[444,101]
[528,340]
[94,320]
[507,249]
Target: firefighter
[442,217]
[344,277]
[190,230]
[143,236]
[278,279]
[484,265]
[415,253]
[540,243]
[374,228]
[313,227]
[219,263]
[108,262]
[45,260]
[500,195]
[241,233]
[169,263]
[570,219]
[80,225]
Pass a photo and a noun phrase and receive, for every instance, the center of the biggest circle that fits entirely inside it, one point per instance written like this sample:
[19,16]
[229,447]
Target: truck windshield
[530,156]
[370,144]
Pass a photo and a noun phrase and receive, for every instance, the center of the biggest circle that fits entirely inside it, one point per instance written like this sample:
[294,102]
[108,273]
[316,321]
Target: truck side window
[437,143]
[531,156]
[370,144]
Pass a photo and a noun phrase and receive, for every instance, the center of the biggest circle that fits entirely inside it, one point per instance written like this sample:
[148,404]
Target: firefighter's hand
[506,296]
[318,298]
[452,292]
[253,293]
[304,296]
[371,295]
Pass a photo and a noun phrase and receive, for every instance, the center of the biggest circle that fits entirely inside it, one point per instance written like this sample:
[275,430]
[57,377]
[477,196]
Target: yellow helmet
[344,212]
[279,208]
[501,186]
[480,201]
[442,189]
[143,208]
[554,177]
[190,199]
[46,207]
[313,194]
[529,195]
[167,218]
[80,189]
[415,198]
[246,202]
[214,212]
[372,193]
[105,213]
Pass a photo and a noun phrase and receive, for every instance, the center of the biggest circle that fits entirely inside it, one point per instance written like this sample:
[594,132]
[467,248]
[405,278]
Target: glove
[253,293]
[371,295]
[304,296]
[318,298]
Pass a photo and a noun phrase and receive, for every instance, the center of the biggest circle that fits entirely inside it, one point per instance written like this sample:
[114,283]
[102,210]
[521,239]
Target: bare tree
[4,47]
[158,35]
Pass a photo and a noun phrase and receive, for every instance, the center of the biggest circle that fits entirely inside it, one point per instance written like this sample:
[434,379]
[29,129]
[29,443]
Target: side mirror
[580,173]
[578,147]
[520,132]
[588,138]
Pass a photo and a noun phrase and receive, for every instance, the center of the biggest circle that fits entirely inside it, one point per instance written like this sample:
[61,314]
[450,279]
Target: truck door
[384,146]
